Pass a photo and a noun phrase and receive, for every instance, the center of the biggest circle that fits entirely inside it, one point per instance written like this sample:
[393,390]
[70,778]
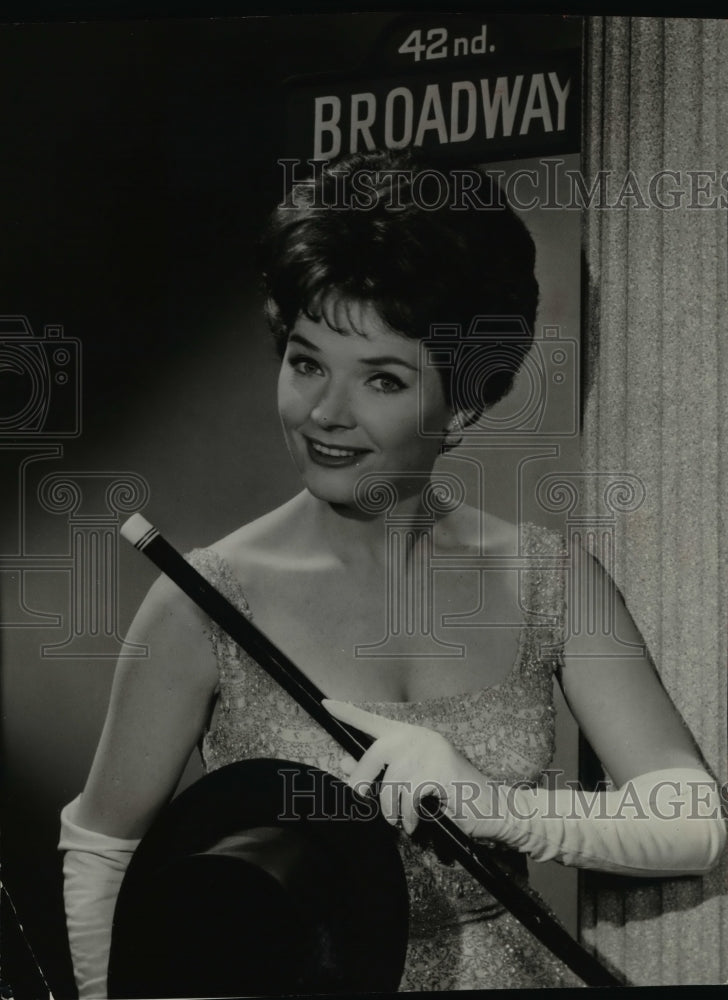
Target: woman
[366,407]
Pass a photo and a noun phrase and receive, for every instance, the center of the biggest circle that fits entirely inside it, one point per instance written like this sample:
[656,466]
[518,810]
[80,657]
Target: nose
[332,408]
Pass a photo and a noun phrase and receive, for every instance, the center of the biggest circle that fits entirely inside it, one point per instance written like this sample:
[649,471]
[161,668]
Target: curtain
[655,374]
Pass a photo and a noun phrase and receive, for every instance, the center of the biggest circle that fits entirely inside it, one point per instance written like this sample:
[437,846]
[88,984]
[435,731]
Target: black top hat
[264,877]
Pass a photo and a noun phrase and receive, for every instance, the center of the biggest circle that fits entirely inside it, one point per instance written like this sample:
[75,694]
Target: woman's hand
[417,762]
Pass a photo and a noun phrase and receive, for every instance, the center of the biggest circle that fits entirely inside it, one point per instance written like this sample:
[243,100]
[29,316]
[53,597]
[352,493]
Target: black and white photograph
[363,559]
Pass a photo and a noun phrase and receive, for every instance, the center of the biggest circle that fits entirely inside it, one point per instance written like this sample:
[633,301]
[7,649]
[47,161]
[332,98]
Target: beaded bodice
[506,730]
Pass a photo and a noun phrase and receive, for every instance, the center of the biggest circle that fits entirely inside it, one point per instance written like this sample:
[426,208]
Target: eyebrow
[382,359]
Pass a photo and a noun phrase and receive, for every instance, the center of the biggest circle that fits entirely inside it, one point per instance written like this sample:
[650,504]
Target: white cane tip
[135,528]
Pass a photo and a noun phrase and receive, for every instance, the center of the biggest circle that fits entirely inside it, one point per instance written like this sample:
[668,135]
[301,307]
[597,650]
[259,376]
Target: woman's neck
[358,537]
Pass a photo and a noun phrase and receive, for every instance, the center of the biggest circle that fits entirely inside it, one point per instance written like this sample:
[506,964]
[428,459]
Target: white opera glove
[663,823]
[93,869]
[417,763]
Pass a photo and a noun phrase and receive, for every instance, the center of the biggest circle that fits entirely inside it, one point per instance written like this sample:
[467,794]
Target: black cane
[524,905]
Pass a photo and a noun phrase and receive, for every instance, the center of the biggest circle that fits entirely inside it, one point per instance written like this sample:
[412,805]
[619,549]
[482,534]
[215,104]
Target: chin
[339,499]
[324,488]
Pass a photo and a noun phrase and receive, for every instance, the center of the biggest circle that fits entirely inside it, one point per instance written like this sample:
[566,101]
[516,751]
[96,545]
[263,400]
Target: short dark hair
[416,265]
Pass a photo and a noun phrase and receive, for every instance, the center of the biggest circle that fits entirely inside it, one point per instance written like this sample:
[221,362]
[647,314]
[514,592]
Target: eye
[386,382]
[303,365]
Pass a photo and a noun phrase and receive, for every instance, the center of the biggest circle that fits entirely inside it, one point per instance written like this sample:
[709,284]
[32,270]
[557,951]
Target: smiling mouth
[332,453]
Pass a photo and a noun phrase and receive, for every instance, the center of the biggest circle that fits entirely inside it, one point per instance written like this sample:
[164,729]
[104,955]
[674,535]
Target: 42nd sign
[436,43]
[457,86]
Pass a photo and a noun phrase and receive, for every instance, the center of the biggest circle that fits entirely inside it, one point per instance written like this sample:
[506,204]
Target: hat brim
[265,877]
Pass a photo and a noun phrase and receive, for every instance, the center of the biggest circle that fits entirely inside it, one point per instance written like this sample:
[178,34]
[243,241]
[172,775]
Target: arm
[664,818]
[158,707]
[615,693]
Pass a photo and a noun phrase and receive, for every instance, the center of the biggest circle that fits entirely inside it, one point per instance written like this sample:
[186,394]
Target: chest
[394,636]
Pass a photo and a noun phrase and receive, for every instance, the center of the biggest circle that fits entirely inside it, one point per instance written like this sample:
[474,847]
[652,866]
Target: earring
[455,426]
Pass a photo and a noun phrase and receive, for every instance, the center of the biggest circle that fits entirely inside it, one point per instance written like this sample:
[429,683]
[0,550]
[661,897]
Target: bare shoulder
[174,630]
[166,607]
[611,683]
[268,542]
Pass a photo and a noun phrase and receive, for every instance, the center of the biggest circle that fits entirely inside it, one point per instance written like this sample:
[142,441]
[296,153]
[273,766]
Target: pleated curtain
[656,357]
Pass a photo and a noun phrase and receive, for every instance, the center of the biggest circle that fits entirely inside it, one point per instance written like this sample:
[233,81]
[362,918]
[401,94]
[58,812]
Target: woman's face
[357,402]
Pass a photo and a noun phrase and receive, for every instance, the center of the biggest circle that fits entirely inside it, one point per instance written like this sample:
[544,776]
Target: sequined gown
[460,937]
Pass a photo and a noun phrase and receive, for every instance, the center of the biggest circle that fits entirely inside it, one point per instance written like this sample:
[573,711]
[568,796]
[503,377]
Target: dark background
[138,165]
